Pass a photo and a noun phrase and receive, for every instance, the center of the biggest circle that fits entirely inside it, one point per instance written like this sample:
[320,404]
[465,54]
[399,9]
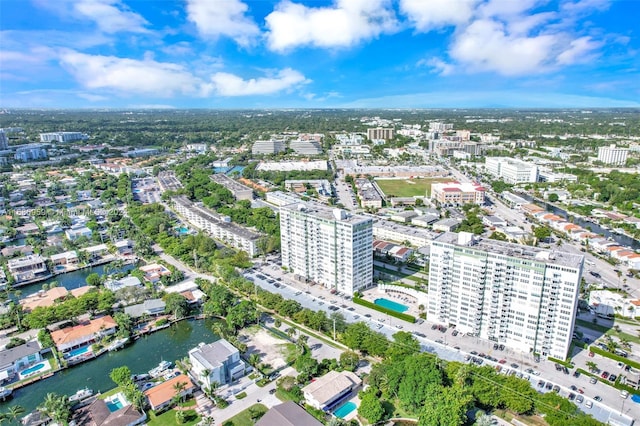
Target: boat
[140,377]
[118,344]
[155,372]
[81,395]
[5,392]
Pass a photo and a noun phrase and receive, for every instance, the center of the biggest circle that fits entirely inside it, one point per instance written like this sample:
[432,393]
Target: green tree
[125,324]
[121,375]
[349,360]
[176,304]
[517,395]
[93,279]
[370,406]
[57,407]
[445,406]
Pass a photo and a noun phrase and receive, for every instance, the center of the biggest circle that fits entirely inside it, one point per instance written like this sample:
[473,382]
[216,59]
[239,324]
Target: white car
[624,394]
[588,404]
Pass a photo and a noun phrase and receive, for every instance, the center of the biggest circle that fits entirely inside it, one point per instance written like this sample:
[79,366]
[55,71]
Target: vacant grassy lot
[407,187]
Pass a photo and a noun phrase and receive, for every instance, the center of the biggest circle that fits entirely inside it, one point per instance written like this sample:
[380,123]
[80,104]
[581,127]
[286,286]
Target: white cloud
[226,84]
[163,80]
[580,50]
[432,14]
[130,76]
[345,24]
[111,16]
[215,18]
[437,65]
[486,46]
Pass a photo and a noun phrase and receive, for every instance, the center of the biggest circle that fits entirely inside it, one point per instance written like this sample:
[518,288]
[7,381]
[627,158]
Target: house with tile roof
[161,396]
[83,334]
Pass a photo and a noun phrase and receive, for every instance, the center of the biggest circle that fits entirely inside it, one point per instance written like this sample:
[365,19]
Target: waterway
[170,344]
[623,240]
[71,280]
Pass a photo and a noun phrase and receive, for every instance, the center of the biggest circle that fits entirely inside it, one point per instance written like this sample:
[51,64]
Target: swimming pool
[77,352]
[390,304]
[32,369]
[635,398]
[344,410]
[183,230]
[115,402]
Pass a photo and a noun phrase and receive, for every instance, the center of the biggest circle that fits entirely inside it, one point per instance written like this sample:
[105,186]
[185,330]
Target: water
[70,280]
[623,240]
[390,304]
[171,344]
[344,410]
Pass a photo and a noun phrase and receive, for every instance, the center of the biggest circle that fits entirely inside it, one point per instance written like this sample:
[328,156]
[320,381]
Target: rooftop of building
[511,249]
[287,414]
[325,388]
[229,183]
[324,212]
[213,354]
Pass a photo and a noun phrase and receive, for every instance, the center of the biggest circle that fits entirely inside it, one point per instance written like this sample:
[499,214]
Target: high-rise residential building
[511,170]
[63,137]
[4,141]
[613,155]
[329,247]
[457,194]
[520,296]
[378,133]
[306,147]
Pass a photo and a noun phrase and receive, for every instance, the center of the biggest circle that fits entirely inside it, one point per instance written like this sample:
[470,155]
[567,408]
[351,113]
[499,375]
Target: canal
[170,344]
[623,240]
[71,280]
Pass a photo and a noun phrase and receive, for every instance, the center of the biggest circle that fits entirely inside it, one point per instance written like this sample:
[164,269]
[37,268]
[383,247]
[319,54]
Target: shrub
[241,395]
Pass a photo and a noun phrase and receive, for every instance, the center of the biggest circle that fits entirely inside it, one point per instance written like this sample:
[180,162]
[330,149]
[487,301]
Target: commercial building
[510,170]
[386,133]
[613,155]
[268,147]
[368,194]
[219,227]
[217,362]
[457,194]
[327,246]
[308,147]
[520,296]
[326,392]
[63,137]
[238,190]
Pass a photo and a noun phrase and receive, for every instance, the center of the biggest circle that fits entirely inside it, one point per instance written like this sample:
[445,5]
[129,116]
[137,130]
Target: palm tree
[15,412]
[179,387]
[592,366]
[56,407]
[254,359]
[625,343]
[291,332]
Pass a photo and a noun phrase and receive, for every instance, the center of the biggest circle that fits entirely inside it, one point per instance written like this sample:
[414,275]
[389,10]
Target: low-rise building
[78,231]
[83,334]
[43,299]
[390,231]
[238,190]
[609,303]
[67,258]
[161,396]
[150,307]
[27,268]
[280,198]
[15,359]
[368,194]
[154,272]
[218,362]
[287,414]
[457,194]
[268,147]
[189,289]
[119,284]
[404,216]
[446,225]
[328,391]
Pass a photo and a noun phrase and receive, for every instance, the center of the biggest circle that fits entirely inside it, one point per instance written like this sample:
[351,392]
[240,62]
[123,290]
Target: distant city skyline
[319,54]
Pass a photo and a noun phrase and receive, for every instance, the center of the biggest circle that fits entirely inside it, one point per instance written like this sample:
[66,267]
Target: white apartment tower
[613,155]
[511,170]
[327,246]
[520,296]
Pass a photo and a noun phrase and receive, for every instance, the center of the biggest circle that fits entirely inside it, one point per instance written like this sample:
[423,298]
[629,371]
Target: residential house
[115,285]
[150,307]
[66,258]
[98,414]
[326,392]
[28,229]
[15,359]
[124,247]
[607,302]
[96,252]
[86,333]
[11,251]
[189,289]
[77,231]
[216,362]
[154,271]
[287,414]
[27,268]
[161,396]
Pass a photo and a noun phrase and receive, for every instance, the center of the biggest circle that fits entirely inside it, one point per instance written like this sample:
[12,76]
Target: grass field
[407,187]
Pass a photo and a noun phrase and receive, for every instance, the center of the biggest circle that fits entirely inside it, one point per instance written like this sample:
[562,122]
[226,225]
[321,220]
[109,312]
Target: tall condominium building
[511,170]
[63,137]
[613,155]
[457,194]
[385,133]
[327,246]
[521,296]
[306,147]
[268,147]
[4,141]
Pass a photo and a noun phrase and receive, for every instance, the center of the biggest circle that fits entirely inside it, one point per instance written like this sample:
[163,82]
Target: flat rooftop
[324,212]
[516,250]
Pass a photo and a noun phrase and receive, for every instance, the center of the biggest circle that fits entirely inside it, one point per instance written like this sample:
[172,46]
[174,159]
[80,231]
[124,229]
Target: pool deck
[375,293]
[352,415]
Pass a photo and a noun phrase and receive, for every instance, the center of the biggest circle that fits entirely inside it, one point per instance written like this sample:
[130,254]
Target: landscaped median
[366,303]
[606,354]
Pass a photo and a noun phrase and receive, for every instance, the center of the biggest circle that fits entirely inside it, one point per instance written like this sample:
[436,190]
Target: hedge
[561,362]
[616,385]
[614,357]
[241,395]
[399,315]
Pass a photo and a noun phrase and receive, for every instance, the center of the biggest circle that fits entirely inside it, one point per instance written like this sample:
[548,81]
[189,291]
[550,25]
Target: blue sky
[319,54]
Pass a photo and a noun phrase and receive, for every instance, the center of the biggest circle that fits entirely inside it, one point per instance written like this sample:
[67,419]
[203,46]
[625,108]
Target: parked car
[579,399]
[597,398]
[593,380]
[613,377]
[604,374]
[588,404]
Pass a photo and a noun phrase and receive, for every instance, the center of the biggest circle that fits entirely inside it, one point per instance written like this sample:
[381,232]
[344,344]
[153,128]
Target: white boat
[118,344]
[155,372]
[5,392]
[80,395]
[140,377]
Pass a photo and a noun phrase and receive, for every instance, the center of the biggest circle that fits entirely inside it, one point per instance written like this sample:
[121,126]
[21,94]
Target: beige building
[331,389]
[457,194]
